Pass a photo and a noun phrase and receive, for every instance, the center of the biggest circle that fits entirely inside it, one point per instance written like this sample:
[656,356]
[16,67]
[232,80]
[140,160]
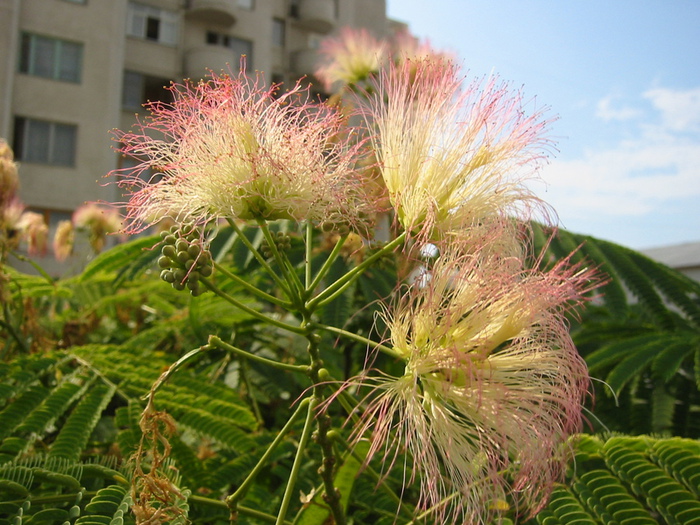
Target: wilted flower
[63,240]
[9,182]
[492,388]
[99,221]
[33,228]
[233,149]
[351,57]
[450,157]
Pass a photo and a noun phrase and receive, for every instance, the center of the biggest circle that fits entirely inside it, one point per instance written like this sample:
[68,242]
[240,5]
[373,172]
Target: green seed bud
[167,276]
[193,285]
[178,286]
[193,276]
[182,245]
[170,239]
[179,275]
[189,263]
[169,251]
[206,270]
[183,256]
[194,251]
[164,262]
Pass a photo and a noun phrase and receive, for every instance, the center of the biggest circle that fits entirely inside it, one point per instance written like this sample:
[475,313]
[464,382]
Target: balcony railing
[212,11]
[317,15]
[200,60]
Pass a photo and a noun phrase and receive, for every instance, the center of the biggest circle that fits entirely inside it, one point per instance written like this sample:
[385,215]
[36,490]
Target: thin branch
[258,315]
[219,343]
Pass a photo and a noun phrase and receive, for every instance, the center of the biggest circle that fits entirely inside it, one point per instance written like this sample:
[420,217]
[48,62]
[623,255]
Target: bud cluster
[282,241]
[183,260]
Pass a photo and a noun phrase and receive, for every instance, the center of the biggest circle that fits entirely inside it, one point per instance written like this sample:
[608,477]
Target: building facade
[72,70]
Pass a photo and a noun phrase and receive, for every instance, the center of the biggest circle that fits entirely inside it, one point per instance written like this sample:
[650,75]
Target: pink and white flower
[230,148]
[453,158]
[493,386]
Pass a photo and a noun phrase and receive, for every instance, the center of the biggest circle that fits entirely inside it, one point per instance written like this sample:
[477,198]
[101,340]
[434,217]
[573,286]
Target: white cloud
[606,112]
[654,169]
[680,110]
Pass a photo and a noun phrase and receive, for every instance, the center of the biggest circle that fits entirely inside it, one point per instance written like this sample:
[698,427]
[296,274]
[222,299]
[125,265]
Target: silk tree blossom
[230,148]
[63,240]
[351,57]
[493,385]
[98,221]
[453,158]
[9,181]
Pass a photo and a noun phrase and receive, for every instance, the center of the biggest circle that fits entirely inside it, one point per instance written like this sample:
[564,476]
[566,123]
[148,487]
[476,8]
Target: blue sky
[623,78]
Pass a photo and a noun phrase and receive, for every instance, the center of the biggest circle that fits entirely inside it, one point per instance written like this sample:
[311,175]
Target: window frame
[279,32]
[142,19]
[29,60]
[24,144]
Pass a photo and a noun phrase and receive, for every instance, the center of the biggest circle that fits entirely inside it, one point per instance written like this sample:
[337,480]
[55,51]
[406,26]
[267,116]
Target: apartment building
[72,70]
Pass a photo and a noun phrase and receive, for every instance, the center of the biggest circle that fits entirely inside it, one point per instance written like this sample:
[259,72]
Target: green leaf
[120,257]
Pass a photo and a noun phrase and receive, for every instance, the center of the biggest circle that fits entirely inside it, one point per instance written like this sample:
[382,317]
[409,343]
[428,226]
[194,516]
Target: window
[50,57]
[152,23]
[239,46]
[278,32]
[45,142]
[246,4]
[294,8]
[138,89]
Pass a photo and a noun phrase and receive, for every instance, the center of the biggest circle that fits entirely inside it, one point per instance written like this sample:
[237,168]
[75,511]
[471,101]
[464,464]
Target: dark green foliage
[640,335]
[631,480]
[108,335]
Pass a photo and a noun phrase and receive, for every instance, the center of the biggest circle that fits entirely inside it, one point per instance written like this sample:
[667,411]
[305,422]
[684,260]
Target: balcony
[317,15]
[304,62]
[220,12]
[199,60]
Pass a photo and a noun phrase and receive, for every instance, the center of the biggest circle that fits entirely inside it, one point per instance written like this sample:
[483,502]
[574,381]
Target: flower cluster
[16,224]
[96,220]
[493,386]
[232,148]
[452,158]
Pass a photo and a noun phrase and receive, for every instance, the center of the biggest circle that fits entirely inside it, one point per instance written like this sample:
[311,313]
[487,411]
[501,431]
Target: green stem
[343,282]
[233,499]
[432,509]
[217,342]
[350,335]
[15,335]
[294,474]
[307,254]
[282,261]
[260,258]
[251,288]
[327,264]
[36,266]
[174,367]
[246,511]
[249,310]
